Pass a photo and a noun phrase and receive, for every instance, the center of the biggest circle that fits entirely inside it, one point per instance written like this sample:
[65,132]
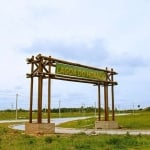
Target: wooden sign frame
[41,68]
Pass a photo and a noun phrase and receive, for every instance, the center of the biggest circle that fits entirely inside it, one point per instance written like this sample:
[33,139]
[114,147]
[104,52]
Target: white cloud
[100,33]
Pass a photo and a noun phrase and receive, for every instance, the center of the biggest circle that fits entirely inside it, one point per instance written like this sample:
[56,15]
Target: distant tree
[138,106]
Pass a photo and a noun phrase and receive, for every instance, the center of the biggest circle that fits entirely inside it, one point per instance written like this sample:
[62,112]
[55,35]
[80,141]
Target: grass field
[11,115]
[17,140]
[139,120]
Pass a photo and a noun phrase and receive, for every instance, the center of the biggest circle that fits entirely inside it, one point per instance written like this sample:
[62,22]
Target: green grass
[16,140]
[10,115]
[85,123]
[139,120]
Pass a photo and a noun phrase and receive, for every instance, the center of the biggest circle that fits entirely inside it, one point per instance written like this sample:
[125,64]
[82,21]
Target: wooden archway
[41,68]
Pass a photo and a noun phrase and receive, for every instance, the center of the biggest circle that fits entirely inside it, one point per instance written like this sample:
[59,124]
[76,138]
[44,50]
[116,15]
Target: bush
[82,146]
[48,139]
[114,141]
[3,131]
[29,139]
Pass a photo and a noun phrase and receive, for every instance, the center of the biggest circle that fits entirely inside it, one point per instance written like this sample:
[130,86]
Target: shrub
[82,146]
[114,141]
[48,139]
[3,130]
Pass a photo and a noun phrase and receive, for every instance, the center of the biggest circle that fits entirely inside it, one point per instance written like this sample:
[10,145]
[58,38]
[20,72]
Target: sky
[113,34]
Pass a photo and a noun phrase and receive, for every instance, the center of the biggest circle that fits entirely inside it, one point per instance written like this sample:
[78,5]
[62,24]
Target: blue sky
[113,34]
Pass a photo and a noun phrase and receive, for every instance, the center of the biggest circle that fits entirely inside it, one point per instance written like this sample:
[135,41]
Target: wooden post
[112,94]
[106,102]
[107,108]
[31,93]
[99,103]
[49,91]
[40,84]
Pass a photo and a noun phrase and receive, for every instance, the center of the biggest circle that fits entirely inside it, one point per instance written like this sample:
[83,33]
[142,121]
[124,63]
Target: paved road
[54,120]
[75,131]
[102,131]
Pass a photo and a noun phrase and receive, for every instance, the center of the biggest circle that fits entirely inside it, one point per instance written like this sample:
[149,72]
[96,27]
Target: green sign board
[71,70]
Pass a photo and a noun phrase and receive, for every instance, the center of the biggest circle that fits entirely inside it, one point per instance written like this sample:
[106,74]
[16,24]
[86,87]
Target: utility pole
[95,109]
[133,109]
[83,109]
[16,106]
[59,109]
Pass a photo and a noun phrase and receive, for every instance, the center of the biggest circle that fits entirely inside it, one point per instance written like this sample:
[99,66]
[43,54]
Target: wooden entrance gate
[41,67]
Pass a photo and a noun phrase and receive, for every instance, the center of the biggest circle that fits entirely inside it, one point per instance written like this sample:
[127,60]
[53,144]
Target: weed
[82,133]
[83,146]
[58,136]
[139,135]
[114,141]
[29,139]
[3,130]
[130,140]
[127,134]
[48,139]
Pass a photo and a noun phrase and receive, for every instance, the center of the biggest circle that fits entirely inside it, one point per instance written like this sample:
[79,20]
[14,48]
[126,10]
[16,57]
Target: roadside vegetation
[12,139]
[65,112]
[17,140]
[137,120]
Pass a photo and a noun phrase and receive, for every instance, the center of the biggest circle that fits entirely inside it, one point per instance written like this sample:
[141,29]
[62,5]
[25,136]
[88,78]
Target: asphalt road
[57,121]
